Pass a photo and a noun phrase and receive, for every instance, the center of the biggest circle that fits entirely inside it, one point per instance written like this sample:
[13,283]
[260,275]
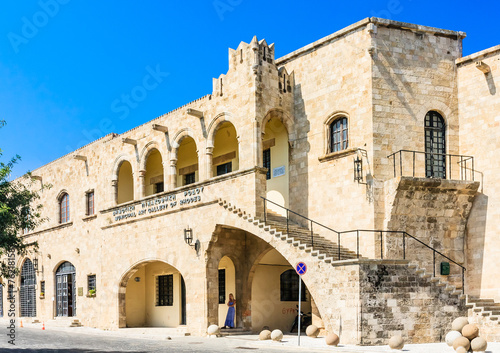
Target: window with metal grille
[224,168]
[1,299]
[266,157]
[189,178]
[222,286]
[91,282]
[42,287]
[435,146]
[90,203]
[64,208]
[289,287]
[165,290]
[339,137]
[159,187]
[27,290]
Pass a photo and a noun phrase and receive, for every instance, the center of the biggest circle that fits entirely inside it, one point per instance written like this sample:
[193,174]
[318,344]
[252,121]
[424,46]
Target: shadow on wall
[491,83]
[475,242]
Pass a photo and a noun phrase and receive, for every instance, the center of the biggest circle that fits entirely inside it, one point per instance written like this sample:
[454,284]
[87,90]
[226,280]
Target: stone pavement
[289,342]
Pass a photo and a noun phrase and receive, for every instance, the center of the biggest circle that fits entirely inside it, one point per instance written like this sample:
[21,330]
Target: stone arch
[326,128]
[179,136]
[129,274]
[215,125]
[285,119]
[118,163]
[146,151]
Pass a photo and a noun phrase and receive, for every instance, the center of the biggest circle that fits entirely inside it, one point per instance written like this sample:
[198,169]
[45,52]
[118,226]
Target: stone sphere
[459,323]
[461,342]
[265,335]
[470,331]
[276,335]
[332,339]
[312,331]
[452,336]
[213,330]
[461,350]
[479,344]
[396,342]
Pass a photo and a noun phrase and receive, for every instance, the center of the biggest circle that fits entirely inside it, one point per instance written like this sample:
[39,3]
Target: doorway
[66,290]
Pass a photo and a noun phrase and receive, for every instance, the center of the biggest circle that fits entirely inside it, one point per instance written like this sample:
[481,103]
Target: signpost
[301,269]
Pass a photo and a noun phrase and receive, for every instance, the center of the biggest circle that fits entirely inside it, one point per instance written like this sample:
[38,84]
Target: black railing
[432,165]
[380,233]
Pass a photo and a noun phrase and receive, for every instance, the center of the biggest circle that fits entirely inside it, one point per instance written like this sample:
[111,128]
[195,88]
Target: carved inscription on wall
[162,203]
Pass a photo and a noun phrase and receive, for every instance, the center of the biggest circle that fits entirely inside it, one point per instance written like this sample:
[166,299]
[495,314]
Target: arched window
[64,208]
[289,287]
[435,146]
[338,135]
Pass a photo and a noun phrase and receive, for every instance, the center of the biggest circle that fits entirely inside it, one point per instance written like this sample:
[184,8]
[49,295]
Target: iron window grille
[27,290]
[165,290]
[224,168]
[267,162]
[435,146]
[222,286]
[91,282]
[42,287]
[289,287]
[339,136]
[1,301]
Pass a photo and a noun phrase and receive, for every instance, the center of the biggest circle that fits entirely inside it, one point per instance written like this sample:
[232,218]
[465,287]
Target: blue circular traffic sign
[301,268]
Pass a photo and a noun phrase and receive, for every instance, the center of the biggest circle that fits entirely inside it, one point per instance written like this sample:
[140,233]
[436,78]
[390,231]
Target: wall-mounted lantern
[35,264]
[358,169]
[188,238]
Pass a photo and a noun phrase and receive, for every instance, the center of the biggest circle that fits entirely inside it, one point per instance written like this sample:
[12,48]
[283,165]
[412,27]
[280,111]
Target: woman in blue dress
[230,312]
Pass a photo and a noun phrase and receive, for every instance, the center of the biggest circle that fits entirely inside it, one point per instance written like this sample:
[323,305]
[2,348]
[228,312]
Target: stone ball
[459,323]
[265,335]
[461,350]
[452,336]
[213,330]
[332,339]
[470,331]
[461,342]
[396,342]
[312,331]
[479,344]
[277,335]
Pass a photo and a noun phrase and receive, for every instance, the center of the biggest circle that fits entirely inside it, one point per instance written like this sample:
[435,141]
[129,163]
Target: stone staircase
[486,308]
[234,332]
[437,281]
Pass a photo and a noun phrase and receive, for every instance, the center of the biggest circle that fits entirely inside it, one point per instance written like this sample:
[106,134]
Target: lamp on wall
[35,264]
[358,169]
[188,238]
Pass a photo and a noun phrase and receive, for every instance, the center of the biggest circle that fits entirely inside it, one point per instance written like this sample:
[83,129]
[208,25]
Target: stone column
[166,177]
[209,151]
[141,187]
[173,173]
[114,193]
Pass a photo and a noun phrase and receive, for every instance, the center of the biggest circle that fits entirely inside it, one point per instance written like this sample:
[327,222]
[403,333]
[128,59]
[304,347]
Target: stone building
[368,154]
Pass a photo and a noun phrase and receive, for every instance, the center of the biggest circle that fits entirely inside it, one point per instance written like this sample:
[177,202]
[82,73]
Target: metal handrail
[463,159]
[381,232]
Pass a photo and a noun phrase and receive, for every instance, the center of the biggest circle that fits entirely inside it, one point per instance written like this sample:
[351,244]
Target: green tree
[19,209]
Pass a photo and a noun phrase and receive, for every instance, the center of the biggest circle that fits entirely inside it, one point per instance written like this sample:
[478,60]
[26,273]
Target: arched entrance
[435,145]
[27,290]
[66,290]
[227,285]
[152,294]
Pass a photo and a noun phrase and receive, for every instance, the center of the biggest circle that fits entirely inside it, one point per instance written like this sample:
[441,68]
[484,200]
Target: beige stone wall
[479,111]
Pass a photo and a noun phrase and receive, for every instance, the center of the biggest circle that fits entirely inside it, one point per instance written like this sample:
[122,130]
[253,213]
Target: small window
[165,290]
[289,287]
[42,287]
[91,283]
[267,162]
[224,168]
[189,178]
[64,208]
[90,203]
[159,187]
[222,286]
[1,299]
[338,135]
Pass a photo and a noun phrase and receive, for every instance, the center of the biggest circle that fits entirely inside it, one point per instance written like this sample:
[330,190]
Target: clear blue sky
[66,64]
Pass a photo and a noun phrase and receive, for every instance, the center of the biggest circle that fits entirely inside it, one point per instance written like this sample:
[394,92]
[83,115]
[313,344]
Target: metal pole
[394,162]
[287,230]
[265,218]
[300,305]
[312,235]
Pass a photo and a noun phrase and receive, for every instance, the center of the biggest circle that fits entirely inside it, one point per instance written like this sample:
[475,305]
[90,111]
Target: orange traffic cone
[21,323]
[43,325]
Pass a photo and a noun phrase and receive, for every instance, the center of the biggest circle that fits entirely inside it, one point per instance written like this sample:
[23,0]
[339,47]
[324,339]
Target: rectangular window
[91,282]
[189,178]
[224,168]
[222,286]
[90,203]
[165,290]
[267,162]
[159,187]
[42,287]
